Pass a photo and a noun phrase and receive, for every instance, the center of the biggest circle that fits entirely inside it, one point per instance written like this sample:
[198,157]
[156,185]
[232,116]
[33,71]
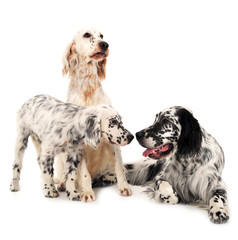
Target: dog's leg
[60,170]
[165,193]
[36,144]
[46,161]
[120,173]
[20,147]
[71,166]
[218,210]
[87,194]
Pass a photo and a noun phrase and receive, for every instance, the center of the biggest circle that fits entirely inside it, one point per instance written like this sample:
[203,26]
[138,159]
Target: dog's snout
[104,46]
[140,135]
[130,137]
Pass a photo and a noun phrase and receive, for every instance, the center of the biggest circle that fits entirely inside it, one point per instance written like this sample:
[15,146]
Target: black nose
[140,135]
[130,137]
[104,46]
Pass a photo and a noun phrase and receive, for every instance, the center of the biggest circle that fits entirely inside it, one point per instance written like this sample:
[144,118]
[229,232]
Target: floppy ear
[101,69]
[189,143]
[70,59]
[93,131]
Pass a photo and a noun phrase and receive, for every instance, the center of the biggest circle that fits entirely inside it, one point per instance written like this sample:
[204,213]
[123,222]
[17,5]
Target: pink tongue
[148,151]
[164,148]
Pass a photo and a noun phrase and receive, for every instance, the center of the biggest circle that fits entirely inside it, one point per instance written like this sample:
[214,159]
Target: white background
[162,53]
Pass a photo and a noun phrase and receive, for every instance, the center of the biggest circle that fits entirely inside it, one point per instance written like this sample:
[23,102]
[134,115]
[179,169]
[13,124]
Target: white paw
[87,196]
[166,194]
[14,186]
[74,196]
[168,199]
[125,192]
[218,213]
[50,191]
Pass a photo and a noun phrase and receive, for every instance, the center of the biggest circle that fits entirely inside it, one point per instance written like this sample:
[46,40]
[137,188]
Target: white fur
[59,127]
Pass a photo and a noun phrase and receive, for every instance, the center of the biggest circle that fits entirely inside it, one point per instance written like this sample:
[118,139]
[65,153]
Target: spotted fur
[84,61]
[188,170]
[63,127]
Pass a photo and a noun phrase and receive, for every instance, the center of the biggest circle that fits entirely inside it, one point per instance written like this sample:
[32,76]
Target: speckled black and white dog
[188,166]
[64,127]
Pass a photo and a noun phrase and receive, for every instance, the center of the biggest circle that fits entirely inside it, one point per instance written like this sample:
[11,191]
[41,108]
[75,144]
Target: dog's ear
[93,131]
[69,59]
[101,69]
[190,140]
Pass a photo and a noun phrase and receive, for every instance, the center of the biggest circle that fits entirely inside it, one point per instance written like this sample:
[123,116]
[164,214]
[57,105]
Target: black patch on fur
[220,193]
[90,125]
[91,131]
[153,170]
[129,166]
[189,143]
[103,182]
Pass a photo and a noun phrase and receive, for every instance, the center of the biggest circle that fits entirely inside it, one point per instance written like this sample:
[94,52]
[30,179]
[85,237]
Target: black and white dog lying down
[64,127]
[183,163]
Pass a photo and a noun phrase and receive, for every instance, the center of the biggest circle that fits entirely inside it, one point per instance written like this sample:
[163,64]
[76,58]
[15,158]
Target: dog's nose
[140,135]
[130,137]
[104,46]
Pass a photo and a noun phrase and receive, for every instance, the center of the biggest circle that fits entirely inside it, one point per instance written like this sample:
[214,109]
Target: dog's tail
[143,171]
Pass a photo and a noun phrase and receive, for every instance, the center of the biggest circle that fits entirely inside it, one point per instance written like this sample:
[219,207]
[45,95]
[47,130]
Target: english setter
[84,61]
[184,163]
[64,127]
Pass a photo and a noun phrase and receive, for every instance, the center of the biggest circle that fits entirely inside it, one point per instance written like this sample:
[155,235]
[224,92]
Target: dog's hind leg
[46,161]
[36,143]
[60,162]
[21,145]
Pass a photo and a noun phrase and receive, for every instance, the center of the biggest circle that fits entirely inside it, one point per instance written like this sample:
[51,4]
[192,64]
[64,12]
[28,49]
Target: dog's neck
[85,80]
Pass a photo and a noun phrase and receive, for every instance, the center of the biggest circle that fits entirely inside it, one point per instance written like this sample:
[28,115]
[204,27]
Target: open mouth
[160,152]
[99,55]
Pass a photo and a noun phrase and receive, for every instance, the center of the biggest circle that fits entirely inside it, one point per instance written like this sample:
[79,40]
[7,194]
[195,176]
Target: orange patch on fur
[101,69]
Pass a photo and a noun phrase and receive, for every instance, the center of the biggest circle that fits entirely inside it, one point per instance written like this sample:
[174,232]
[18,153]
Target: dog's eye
[166,121]
[101,36]
[87,35]
[114,122]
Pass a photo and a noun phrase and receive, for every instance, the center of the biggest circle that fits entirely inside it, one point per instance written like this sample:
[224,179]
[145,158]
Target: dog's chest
[188,179]
[76,96]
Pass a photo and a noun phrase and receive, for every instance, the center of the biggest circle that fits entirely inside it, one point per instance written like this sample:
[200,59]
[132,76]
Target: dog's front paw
[166,194]
[87,196]
[168,199]
[125,192]
[14,186]
[50,191]
[74,196]
[219,214]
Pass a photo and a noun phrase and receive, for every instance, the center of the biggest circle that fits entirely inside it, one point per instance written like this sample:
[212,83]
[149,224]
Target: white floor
[27,214]
[162,53]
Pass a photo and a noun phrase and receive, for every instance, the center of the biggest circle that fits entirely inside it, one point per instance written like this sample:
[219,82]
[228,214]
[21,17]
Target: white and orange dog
[84,61]
[64,127]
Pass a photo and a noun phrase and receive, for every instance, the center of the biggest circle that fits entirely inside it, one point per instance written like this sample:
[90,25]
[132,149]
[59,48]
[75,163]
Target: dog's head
[88,46]
[174,129]
[112,127]
[105,122]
